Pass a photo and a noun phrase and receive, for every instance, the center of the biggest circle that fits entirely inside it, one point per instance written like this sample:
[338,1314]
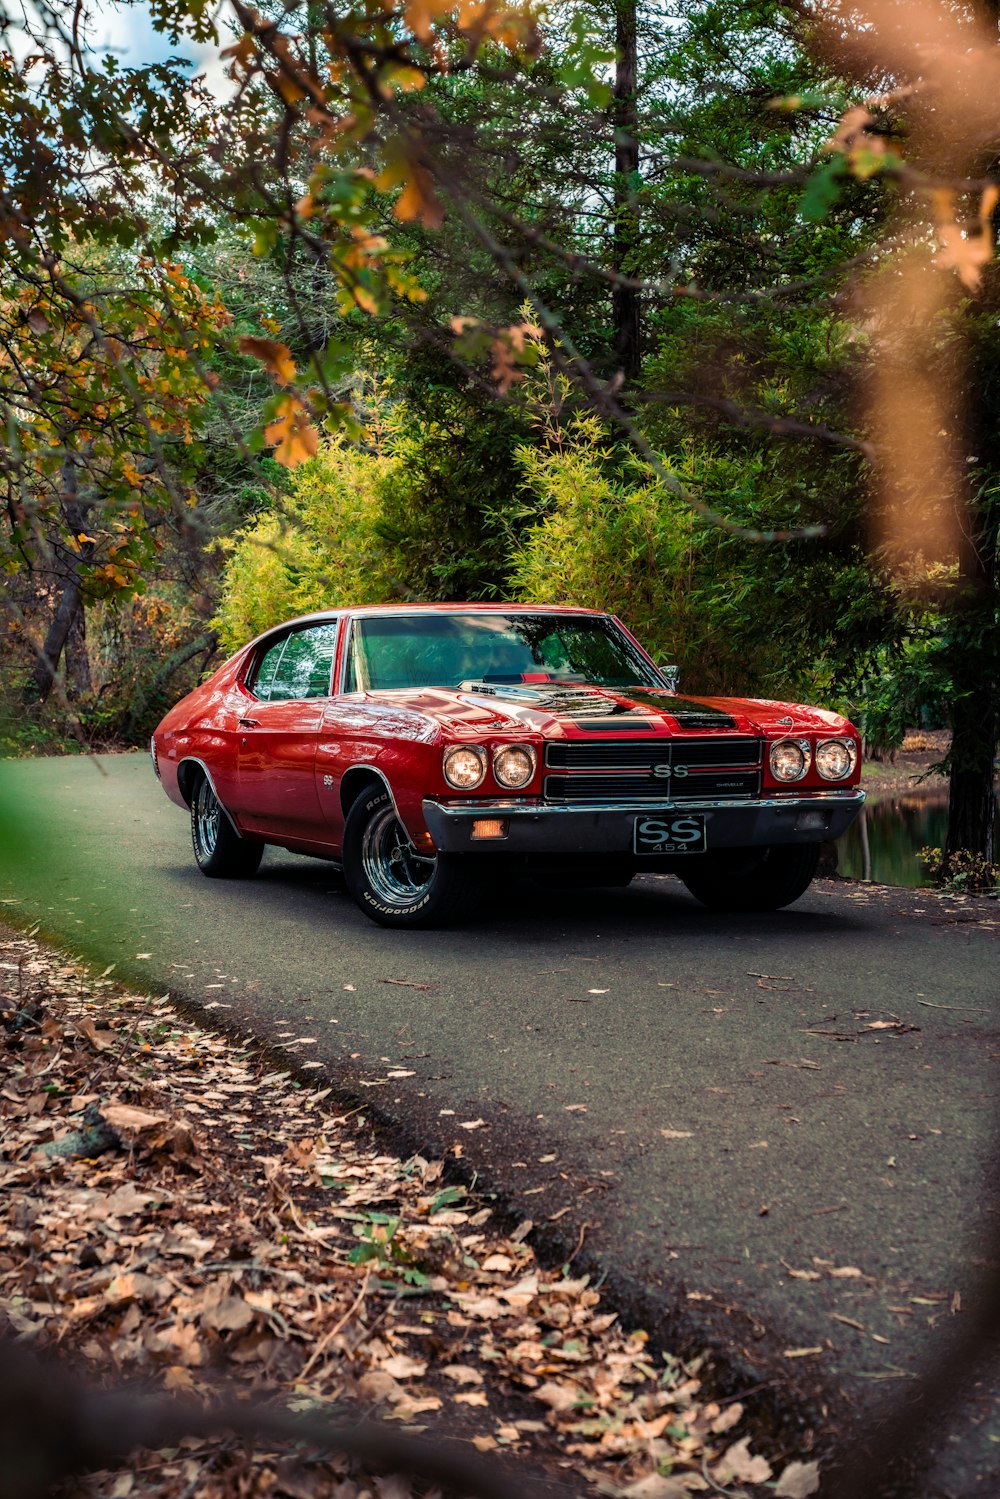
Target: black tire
[219,850]
[753,879]
[393,884]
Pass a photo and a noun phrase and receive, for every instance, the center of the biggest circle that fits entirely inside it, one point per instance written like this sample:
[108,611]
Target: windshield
[452,650]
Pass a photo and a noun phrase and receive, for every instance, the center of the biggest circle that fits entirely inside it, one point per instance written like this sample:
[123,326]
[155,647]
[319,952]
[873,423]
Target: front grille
[643,754]
[727,785]
[654,770]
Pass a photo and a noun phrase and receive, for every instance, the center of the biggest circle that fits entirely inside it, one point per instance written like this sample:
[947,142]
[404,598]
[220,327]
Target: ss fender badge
[328,780]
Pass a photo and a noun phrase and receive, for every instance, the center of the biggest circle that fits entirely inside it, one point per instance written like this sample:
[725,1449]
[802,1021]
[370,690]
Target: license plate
[668,834]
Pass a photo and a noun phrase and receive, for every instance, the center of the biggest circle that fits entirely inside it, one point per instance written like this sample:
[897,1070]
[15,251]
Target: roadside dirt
[178,1209]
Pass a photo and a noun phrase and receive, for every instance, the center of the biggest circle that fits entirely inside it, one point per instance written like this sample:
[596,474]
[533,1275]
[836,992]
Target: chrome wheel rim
[394,871]
[205,822]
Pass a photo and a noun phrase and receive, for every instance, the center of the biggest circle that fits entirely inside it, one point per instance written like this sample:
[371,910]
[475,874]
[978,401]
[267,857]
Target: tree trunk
[975,672]
[69,611]
[625,302]
[75,655]
[43,675]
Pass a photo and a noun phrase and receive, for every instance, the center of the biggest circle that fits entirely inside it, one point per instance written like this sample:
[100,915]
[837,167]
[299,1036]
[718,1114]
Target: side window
[264,675]
[305,664]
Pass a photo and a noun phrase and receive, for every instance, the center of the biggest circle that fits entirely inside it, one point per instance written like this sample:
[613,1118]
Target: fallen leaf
[401,1366]
[657,1486]
[739,1464]
[462,1373]
[798,1481]
[558,1397]
[727,1419]
[128,1120]
[124,1202]
[377,1385]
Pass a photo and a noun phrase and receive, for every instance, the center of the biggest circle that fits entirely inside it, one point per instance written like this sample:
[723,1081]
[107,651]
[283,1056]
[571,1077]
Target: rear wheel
[219,850]
[391,882]
[753,879]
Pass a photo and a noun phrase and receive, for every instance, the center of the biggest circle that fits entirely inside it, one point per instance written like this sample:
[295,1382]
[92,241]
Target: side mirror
[671,675]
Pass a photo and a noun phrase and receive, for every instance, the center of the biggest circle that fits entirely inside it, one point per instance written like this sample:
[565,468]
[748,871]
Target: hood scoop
[605,708]
[624,720]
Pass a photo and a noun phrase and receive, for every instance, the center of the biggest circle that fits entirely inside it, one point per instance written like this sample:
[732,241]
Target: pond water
[883,842]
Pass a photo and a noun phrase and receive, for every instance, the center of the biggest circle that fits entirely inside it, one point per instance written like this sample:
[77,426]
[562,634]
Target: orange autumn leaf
[275,357]
[292,434]
[964,250]
[420,14]
[507,349]
[418,199]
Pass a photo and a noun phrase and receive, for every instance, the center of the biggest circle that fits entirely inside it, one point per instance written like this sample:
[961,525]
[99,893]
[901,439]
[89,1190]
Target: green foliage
[738,617]
[452,502]
[380,1248]
[609,537]
[905,686]
[320,551]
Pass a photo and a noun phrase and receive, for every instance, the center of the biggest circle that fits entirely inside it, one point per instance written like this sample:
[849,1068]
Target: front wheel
[219,850]
[391,882]
[753,879]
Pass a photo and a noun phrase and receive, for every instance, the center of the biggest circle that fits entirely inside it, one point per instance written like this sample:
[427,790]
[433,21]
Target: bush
[959,871]
[322,552]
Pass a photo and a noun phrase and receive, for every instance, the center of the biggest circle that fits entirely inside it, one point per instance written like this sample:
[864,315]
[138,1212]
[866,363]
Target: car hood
[558,710]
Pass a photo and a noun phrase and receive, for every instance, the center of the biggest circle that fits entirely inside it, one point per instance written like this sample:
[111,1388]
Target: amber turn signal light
[489,827]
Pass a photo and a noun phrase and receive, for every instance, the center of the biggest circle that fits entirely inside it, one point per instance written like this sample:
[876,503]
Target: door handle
[249,723]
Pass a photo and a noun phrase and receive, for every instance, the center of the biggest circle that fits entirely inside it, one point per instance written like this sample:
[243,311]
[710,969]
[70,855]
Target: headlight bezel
[452,752]
[850,746]
[804,748]
[500,751]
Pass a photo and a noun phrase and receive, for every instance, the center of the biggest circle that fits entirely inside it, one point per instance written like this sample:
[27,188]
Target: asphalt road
[778,1126]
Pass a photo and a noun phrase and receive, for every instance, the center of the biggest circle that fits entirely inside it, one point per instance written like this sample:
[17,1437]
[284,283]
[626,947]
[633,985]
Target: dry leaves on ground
[173,1209]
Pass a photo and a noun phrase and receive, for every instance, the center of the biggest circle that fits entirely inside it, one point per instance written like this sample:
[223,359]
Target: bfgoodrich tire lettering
[391,882]
[218,850]
[753,879]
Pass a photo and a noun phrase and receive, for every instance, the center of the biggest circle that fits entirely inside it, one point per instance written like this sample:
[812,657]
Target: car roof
[417,609]
[382,610]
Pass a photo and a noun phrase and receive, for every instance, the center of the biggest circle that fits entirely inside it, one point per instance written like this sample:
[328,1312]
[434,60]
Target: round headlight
[513,765]
[464,766]
[789,760]
[836,758]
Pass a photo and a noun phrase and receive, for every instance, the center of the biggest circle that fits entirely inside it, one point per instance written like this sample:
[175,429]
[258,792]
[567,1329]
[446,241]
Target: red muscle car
[428,749]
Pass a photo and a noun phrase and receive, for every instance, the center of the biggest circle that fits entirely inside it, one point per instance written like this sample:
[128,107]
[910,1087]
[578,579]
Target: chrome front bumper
[602,828]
